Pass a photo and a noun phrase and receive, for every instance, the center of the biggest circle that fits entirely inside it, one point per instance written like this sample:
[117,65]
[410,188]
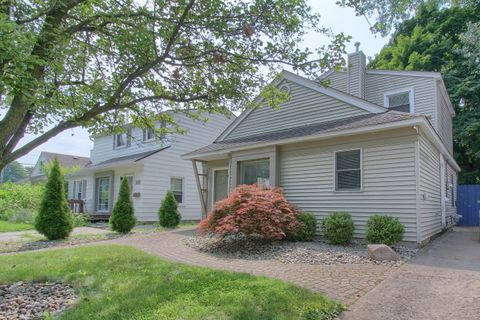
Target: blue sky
[77,141]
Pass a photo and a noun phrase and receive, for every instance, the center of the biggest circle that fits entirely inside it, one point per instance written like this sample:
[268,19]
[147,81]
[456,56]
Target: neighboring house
[64,160]
[373,142]
[152,166]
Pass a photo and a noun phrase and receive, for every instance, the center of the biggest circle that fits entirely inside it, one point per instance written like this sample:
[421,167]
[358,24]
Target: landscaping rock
[32,300]
[382,252]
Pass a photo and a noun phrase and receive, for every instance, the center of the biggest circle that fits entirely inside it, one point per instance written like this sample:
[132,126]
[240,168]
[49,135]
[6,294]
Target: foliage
[123,216]
[441,39]
[54,219]
[13,172]
[119,282]
[69,63]
[338,228]
[18,199]
[79,220]
[384,230]
[168,215]
[255,212]
[308,227]
[6,226]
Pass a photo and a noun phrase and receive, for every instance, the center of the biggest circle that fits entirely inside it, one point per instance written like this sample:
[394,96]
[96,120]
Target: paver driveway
[442,282]
[343,282]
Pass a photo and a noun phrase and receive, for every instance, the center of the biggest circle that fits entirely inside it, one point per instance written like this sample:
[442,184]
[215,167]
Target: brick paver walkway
[346,283]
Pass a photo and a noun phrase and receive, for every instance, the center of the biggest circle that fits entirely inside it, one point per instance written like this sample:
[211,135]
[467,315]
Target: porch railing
[77,205]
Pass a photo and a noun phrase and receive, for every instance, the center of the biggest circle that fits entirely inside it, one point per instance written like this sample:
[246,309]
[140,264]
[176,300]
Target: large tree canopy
[436,39]
[68,63]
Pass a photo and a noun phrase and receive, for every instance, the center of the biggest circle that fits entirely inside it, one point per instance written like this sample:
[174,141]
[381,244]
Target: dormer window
[400,100]
[120,140]
[148,134]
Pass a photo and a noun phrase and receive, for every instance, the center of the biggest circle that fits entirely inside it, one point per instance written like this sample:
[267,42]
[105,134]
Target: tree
[54,219]
[13,172]
[123,215]
[436,39]
[98,64]
[168,215]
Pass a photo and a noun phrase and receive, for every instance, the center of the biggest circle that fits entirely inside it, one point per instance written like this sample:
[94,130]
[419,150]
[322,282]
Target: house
[64,160]
[151,164]
[372,142]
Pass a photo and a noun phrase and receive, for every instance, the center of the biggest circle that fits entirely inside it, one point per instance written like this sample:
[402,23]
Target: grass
[117,282]
[6,226]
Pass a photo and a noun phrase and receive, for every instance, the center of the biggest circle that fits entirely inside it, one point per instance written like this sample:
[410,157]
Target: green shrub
[123,216]
[338,228]
[384,230]
[168,215]
[79,220]
[54,219]
[20,200]
[308,227]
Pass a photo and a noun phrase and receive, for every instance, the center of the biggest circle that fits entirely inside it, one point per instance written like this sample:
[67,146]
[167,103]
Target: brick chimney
[357,64]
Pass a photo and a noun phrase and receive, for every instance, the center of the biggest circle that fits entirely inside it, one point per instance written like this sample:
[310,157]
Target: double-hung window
[148,134]
[176,186]
[400,100]
[348,170]
[120,140]
[79,187]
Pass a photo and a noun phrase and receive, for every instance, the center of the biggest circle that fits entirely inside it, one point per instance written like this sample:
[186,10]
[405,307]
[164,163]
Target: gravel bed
[316,252]
[34,300]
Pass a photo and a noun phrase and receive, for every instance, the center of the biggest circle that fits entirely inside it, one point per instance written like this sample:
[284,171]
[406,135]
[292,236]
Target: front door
[220,184]
[103,194]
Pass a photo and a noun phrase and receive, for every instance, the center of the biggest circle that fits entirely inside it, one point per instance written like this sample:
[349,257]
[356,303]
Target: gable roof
[64,160]
[355,122]
[333,93]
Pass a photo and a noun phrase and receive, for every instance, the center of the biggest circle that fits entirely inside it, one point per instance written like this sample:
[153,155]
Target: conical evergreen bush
[168,214]
[54,219]
[123,216]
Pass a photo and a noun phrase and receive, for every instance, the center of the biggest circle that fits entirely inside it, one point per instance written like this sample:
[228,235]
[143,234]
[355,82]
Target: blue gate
[468,204]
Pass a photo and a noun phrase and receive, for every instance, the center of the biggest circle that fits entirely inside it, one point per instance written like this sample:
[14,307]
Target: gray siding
[425,102]
[158,169]
[356,74]
[429,188]
[444,122]
[389,184]
[306,106]
[338,80]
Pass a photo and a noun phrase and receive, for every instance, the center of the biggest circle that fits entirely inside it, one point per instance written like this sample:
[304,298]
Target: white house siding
[424,99]
[338,80]
[444,122]
[305,107]
[429,189]
[159,168]
[389,184]
[356,74]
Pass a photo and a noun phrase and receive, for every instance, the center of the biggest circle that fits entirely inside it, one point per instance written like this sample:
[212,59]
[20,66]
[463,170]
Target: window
[400,100]
[120,140]
[254,172]
[176,186]
[103,194]
[348,172]
[148,134]
[129,177]
[79,187]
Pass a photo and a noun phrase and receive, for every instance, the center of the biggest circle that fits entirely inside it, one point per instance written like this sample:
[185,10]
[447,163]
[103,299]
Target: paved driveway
[442,282]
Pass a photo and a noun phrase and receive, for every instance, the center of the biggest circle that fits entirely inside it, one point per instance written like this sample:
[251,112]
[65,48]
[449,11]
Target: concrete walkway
[442,282]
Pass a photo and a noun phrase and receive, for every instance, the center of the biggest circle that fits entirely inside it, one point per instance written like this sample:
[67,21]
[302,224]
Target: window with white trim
[348,171]
[400,101]
[148,134]
[79,188]
[176,186]
[120,140]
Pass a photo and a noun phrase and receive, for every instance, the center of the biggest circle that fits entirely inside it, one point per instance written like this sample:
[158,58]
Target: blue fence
[468,204]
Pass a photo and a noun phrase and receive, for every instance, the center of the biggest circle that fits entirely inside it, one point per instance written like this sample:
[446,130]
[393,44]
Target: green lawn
[6,226]
[117,282]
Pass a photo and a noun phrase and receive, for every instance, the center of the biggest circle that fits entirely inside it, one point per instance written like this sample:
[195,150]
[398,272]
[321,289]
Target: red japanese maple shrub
[253,211]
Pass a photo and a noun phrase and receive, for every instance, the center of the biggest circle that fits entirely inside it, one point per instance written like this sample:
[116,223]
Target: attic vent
[285,88]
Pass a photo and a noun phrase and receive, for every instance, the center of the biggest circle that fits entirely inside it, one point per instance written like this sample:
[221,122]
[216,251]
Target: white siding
[305,107]
[424,99]
[356,74]
[389,184]
[444,122]
[338,80]
[429,189]
[168,163]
